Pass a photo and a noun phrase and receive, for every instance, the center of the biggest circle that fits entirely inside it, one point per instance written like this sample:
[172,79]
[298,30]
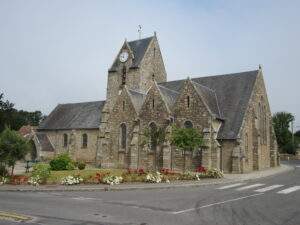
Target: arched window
[65,140]
[84,140]
[153,139]
[123,106]
[123,135]
[188,124]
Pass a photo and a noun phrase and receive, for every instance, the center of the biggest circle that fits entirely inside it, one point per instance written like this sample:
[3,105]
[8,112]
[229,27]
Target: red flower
[141,171]
[201,169]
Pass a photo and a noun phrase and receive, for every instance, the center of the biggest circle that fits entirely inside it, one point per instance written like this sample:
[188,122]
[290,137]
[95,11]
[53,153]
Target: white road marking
[249,187]
[230,186]
[289,190]
[269,188]
[216,203]
[83,198]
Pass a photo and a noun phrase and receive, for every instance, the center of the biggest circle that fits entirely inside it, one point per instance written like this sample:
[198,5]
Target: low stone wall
[290,157]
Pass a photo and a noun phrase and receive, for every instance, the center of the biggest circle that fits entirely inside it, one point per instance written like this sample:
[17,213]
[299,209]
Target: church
[231,111]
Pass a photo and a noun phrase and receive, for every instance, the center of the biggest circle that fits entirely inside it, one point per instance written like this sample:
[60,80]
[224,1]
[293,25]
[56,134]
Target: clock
[123,56]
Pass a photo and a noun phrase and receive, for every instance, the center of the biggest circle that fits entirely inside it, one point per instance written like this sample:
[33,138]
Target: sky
[59,51]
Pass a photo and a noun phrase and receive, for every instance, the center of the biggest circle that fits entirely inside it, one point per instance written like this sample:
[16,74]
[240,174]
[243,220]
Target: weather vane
[140,31]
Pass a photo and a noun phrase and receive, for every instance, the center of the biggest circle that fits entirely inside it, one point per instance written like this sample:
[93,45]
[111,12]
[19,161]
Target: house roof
[138,48]
[84,115]
[44,142]
[233,92]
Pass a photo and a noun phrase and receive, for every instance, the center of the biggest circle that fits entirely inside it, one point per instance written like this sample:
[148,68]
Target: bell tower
[136,64]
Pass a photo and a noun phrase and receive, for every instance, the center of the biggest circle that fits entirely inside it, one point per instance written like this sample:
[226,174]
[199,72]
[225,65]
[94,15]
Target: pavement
[260,199]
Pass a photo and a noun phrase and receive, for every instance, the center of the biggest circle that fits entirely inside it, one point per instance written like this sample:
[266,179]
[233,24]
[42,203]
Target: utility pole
[293,138]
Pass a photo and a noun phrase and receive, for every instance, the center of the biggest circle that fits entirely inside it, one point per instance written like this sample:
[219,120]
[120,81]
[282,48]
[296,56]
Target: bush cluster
[41,171]
[3,171]
[62,162]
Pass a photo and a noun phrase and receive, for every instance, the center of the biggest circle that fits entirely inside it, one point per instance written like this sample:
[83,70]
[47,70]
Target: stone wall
[122,113]
[201,119]
[257,139]
[74,147]
[158,113]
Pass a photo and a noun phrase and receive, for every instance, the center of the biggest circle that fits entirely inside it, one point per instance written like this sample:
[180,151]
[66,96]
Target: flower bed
[42,175]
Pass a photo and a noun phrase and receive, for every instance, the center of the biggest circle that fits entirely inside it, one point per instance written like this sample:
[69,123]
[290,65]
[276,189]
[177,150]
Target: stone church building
[231,111]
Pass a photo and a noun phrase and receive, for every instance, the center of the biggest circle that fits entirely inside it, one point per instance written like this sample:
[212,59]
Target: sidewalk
[228,178]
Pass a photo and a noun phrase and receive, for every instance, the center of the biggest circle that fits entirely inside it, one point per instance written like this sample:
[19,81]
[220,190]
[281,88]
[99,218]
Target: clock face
[123,56]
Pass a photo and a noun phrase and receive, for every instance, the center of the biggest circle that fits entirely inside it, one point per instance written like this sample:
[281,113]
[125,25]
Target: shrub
[3,171]
[81,165]
[41,172]
[62,162]
[70,166]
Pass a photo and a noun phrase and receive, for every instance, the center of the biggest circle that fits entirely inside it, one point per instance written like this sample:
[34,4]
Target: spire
[259,66]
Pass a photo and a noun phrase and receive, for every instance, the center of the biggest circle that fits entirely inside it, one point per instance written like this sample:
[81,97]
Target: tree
[297,133]
[15,119]
[13,147]
[281,122]
[6,109]
[187,139]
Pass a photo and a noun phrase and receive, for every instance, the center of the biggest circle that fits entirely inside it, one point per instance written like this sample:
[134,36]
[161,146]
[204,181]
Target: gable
[138,49]
[193,106]
[233,92]
[124,107]
[156,110]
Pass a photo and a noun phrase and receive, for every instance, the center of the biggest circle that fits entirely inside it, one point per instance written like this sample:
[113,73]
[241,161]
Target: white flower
[34,180]
[3,180]
[154,178]
[70,180]
[111,180]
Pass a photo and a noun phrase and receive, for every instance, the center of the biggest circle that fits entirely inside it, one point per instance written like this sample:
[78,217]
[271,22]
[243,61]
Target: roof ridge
[75,103]
[216,75]
[142,39]
[203,86]
[168,89]
[137,91]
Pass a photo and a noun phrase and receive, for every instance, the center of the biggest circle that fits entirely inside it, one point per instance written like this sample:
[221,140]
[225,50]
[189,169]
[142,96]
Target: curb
[251,176]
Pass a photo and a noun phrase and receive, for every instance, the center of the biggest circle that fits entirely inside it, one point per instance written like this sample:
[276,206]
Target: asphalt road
[271,200]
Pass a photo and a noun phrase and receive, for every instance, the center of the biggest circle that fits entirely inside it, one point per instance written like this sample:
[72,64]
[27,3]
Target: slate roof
[138,48]
[169,96]
[210,99]
[85,115]
[44,142]
[137,99]
[233,92]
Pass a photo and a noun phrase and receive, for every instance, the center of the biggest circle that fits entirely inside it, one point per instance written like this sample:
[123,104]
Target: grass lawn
[56,176]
